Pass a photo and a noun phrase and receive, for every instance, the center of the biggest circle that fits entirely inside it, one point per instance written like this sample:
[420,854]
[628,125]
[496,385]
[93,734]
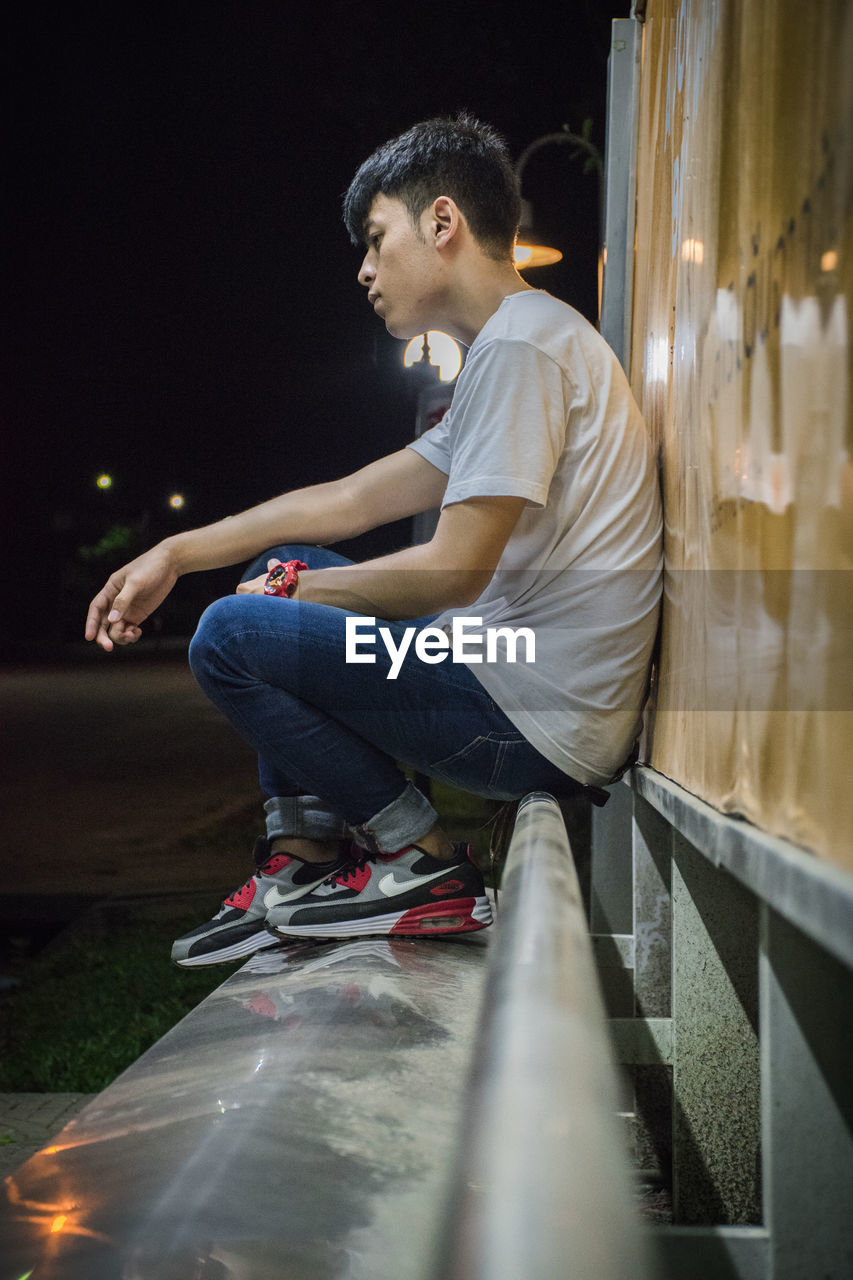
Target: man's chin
[405,332]
[400,327]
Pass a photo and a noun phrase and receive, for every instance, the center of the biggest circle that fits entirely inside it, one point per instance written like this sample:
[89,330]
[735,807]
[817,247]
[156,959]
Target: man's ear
[445,220]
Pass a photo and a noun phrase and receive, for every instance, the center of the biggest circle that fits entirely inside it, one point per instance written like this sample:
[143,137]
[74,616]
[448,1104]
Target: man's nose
[367,274]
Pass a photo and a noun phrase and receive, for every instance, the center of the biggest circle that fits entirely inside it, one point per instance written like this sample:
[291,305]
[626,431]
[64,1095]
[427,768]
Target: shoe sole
[460,916]
[245,947]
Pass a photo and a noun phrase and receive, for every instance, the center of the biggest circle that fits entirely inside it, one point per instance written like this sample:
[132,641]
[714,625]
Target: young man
[547,548]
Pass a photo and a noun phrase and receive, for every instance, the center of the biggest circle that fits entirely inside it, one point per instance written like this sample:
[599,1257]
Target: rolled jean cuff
[401,822]
[305,816]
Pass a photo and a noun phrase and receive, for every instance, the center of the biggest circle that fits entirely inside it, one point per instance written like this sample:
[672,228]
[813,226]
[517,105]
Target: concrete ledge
[302,1117]
[641,1041]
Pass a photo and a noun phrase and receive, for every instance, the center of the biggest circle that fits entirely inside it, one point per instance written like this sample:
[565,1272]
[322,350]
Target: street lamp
[437,349]
[528,251]
[435,359]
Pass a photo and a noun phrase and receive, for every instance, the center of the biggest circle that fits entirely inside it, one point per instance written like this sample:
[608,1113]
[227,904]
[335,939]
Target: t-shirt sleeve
[434,445]
[506,428]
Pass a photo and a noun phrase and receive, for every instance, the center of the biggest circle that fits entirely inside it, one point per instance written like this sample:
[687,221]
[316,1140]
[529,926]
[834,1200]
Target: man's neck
[478,294]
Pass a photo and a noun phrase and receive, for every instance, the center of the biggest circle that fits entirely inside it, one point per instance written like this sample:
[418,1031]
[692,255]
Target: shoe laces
[263,868]
[236,892]
[345,874]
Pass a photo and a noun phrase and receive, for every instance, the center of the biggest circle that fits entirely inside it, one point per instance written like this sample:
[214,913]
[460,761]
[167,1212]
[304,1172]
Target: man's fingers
[122,633]
[97,612]
[106,623]
[126,633]
[121,606]
[102,639]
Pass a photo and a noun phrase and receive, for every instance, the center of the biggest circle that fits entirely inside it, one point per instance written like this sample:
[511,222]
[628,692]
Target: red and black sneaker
[408,892]
[238,929]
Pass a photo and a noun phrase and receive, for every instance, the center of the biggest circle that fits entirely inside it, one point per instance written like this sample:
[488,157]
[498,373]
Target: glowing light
[693,251]
[444,353]
[534,255]
[176,501]
[104,481]
[59,1222]
[829,260]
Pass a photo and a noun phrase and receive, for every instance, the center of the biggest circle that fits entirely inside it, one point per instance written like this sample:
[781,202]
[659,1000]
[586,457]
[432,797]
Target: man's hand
[130,595]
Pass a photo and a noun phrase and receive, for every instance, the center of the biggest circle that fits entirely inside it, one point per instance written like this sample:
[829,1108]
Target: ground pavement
[29,1120]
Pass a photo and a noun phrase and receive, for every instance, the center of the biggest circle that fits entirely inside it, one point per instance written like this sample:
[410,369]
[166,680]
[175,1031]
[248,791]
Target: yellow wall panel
[740,359]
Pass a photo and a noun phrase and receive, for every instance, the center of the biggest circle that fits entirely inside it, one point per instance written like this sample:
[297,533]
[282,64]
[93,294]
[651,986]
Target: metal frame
[623,80]
[541,1176]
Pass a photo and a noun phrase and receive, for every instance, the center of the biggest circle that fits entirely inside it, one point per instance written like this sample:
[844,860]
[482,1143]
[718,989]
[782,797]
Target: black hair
[459,157]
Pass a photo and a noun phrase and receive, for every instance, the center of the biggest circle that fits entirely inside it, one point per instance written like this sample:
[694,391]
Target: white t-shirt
[542,410]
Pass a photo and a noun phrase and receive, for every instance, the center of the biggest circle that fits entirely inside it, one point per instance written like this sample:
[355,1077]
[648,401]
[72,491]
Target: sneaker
[237,929]
[408,892]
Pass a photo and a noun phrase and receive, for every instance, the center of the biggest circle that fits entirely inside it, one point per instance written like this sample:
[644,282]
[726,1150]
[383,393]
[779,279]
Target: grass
[104,989]
[97,998]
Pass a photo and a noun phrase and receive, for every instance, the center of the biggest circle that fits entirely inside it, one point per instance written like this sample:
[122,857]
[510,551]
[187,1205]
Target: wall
[740,360]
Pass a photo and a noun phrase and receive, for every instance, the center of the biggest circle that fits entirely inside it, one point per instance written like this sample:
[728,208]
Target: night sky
[183,310]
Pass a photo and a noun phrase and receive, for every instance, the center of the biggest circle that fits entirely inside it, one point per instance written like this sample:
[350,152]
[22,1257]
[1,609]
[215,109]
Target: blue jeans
[331,735]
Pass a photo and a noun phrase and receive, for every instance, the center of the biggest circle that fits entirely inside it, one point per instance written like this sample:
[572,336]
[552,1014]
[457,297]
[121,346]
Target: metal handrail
[541,1187]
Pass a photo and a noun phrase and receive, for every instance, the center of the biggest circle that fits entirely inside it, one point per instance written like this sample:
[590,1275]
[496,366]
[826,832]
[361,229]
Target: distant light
[104,481]
[176,501]
[59,1222]
[444,353]
[693,251]
[829,260]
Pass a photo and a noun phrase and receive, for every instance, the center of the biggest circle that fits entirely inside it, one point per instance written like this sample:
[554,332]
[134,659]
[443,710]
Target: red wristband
[282,580]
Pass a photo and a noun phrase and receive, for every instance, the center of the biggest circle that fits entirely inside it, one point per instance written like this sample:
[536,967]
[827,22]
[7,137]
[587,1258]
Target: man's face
[401,269]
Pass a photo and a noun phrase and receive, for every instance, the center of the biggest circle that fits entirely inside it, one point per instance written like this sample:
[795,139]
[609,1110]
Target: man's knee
[216,628]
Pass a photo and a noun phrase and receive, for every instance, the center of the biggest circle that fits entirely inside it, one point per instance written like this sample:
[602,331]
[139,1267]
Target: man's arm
[450,571]
[398,485]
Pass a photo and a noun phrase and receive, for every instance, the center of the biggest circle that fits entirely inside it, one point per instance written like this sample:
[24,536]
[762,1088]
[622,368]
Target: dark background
[182,308]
